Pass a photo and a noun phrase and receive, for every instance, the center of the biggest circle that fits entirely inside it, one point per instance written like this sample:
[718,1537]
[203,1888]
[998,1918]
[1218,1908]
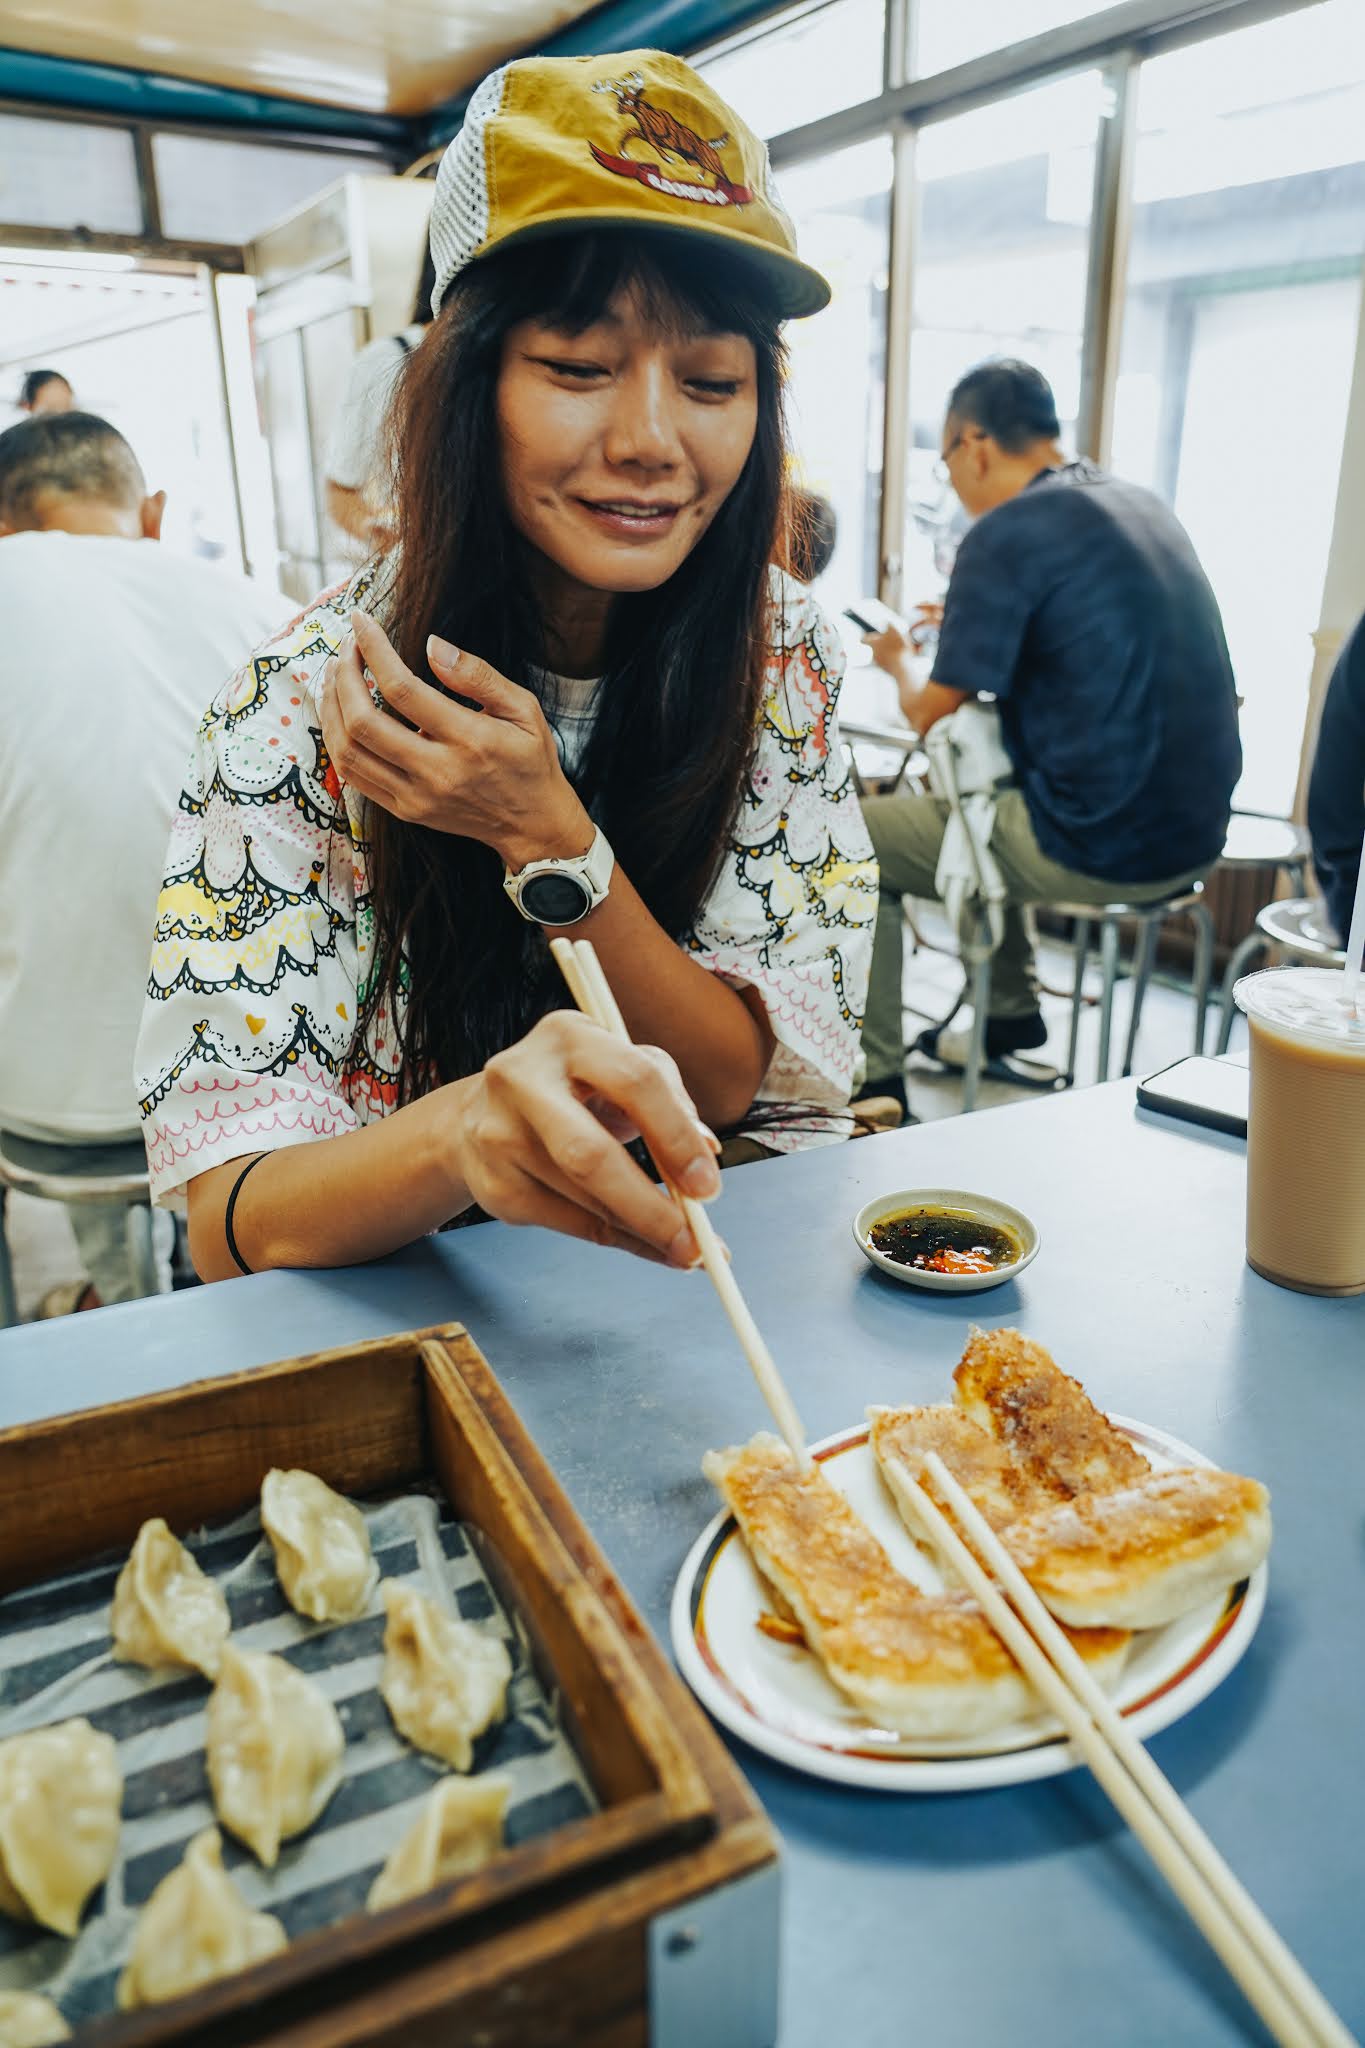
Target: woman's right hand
[537,1137]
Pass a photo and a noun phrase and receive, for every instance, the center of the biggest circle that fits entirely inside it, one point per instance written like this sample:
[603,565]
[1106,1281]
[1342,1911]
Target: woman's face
[621,444]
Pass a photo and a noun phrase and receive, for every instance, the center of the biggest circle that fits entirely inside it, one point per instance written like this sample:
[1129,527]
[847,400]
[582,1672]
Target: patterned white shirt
[265,932]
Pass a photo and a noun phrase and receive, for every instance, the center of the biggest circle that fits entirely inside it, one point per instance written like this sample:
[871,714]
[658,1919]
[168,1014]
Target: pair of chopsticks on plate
[578,963]
[1280,1990]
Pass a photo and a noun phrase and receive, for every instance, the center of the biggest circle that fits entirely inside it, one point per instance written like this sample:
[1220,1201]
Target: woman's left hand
[493,775]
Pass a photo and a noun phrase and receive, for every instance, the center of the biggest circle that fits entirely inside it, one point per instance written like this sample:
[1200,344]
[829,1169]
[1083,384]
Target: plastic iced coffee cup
[1306,1130]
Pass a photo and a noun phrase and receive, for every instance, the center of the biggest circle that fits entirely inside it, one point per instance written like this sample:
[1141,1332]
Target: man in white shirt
[111,651]
[359,462]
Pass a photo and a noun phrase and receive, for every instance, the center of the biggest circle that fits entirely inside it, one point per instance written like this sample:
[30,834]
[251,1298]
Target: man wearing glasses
[1078,604]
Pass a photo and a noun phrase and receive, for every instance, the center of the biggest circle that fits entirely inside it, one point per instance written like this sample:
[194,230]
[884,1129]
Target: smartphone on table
[1212,1092]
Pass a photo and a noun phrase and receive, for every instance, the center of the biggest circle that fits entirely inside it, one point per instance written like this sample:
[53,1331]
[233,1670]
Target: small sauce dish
[946,1238]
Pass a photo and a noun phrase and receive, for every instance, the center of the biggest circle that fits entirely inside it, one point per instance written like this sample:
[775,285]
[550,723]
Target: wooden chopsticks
[578,962]
[1273,1981]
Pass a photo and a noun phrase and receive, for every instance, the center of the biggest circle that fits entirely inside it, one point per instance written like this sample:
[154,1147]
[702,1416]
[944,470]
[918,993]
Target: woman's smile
[632,520]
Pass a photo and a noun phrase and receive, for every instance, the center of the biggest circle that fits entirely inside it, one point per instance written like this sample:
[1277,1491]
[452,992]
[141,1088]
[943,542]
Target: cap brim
[796,289]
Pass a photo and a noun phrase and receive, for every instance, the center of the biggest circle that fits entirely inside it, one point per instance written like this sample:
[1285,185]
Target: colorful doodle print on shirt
[265,938]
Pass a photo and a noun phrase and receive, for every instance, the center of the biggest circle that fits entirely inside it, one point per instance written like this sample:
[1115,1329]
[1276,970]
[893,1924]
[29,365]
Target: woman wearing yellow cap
[574,693]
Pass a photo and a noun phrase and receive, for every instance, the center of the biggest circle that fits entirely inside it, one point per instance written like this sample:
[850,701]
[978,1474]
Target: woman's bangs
[680,290]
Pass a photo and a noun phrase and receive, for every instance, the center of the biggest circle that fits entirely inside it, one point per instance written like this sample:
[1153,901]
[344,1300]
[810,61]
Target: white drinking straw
[1356,943]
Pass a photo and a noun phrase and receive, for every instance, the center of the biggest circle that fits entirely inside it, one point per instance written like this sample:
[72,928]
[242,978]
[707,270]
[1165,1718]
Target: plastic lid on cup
[1305,1002]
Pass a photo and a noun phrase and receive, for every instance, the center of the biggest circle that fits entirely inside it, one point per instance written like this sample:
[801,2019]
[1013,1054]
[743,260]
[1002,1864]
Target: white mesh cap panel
[459,210]
[769,191]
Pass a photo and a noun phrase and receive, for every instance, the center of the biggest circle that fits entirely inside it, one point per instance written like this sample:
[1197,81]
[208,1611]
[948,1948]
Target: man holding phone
[1078,604]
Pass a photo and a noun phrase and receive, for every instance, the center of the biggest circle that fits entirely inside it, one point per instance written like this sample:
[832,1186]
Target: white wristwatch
[559,892]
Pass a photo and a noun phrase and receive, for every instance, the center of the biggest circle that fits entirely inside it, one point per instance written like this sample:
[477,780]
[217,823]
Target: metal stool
[897,740]
[1149,918]
[1256,841]
[130,1190]
[1299,928]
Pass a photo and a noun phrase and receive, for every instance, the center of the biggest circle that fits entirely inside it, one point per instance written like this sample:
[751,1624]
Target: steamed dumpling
[195,1927]
[28,2020]
[444,1680]
[321,1545]
[166,1610]
[60,1792]
[458,1830]
[274,1745]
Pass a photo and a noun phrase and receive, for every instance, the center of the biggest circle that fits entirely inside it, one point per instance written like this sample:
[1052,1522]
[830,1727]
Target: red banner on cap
[722,193]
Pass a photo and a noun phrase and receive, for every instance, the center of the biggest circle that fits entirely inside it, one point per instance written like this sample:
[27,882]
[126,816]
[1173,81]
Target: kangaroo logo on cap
[669,138]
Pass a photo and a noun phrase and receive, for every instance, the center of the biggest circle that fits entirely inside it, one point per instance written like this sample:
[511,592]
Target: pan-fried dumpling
[444,1680]
[28,2020]
[458,1830]
[60,1792]
[195,1927]
[166,1610]
[321,1545]
[274,1744]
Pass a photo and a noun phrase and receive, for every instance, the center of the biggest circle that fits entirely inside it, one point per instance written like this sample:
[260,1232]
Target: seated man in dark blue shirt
[1078,604]
[1336,791]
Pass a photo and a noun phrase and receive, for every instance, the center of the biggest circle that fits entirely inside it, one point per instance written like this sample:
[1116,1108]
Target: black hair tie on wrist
[232,1204]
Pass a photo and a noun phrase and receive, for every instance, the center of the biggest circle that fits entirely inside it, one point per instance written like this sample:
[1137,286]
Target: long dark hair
[676,715]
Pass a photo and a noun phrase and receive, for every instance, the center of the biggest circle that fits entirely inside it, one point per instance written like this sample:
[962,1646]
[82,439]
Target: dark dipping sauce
[944,1241]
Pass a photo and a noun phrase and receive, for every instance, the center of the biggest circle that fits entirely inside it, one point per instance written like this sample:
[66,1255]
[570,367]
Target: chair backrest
[1300,926]
[1254,841]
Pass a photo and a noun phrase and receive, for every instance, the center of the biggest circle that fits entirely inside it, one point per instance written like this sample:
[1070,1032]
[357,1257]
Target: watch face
[556,899]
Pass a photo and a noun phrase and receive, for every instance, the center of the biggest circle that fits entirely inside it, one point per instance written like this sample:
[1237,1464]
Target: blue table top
[1020,1916]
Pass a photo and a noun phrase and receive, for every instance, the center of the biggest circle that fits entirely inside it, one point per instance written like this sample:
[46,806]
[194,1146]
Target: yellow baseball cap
[638,139]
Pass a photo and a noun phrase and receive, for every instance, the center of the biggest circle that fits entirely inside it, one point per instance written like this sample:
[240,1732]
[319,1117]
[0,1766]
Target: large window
[1243,297]
[62,174]
[214,191]
[1000,254]
[949,32]
[1218,360]
[840,205]
[822,61]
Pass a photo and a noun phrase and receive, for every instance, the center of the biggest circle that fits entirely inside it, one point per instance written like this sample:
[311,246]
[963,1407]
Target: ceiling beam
[154,96]
[677,25]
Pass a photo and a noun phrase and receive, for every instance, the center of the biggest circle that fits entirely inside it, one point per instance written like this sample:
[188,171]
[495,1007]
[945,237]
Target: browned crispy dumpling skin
[1047,1422]
[919,1664]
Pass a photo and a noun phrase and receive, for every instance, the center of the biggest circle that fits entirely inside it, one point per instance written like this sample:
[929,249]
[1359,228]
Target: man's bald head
[71,472]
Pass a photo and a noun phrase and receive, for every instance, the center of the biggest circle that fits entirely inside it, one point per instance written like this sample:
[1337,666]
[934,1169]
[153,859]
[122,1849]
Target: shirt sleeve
[1336,789]
[354,450]
[985,616]
[251,998]
[793,911]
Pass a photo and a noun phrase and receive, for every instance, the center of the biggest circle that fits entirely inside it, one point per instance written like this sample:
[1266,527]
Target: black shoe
[1004,1035]
[950,1049]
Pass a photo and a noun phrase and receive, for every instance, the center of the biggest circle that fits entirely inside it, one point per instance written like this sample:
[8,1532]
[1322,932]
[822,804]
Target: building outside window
[1242,303]
[825,59]
[1001,249]
[949,32]
[841,207]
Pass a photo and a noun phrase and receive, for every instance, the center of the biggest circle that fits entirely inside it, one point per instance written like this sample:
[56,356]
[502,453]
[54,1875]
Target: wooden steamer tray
[567,1939]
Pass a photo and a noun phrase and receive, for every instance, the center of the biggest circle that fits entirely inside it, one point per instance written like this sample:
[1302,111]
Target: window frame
[1114,40]
[149,240]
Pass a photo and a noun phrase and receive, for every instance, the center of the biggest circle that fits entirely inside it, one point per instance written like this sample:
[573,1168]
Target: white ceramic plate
[777,1697]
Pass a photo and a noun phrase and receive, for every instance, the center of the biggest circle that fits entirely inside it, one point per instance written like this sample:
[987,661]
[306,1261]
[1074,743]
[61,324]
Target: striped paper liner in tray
[56,1662]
